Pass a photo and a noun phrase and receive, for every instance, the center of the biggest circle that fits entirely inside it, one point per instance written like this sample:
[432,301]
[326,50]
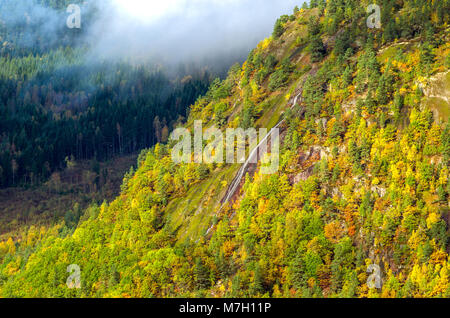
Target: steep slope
[363,177]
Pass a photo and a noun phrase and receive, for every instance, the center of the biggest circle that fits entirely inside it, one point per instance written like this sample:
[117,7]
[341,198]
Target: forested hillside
[363,178]
[58,102]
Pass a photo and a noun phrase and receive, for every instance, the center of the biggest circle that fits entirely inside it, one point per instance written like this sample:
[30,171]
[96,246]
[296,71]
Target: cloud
[169,31]
[177,30]
[28,24]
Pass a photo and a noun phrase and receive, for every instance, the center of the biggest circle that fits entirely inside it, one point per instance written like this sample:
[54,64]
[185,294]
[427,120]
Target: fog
[177,30]
[170,31]
[28,24]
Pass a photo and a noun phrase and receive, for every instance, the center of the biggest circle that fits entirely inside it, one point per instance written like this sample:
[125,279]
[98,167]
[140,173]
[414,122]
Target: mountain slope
[363,177]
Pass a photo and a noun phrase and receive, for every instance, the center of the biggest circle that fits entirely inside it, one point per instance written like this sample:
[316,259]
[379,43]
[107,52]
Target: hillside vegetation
[363,177]
[58,100]
[64,196]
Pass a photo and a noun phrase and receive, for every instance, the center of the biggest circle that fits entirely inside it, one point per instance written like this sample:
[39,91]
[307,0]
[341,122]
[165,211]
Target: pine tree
[201,274]
[317,49]
[427,58]
[278,29]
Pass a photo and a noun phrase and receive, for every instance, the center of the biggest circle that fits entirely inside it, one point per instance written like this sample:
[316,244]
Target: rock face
[379,190]
[439,86]
[437,92]
[308,160]
[304,175]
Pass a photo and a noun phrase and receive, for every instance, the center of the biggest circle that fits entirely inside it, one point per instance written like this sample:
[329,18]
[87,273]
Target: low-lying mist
[169,32]
[181,30]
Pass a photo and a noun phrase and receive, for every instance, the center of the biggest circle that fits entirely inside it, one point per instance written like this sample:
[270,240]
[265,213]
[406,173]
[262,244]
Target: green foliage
[445,141]
[219,89]
[279,26]
[316,46]
[363,180]
[53,113]
[219,110]
[427,58]
[280,76]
